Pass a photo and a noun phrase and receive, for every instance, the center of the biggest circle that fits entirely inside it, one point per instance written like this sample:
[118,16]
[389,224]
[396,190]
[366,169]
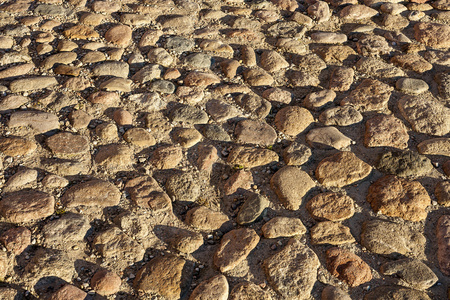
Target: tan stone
[92,193]
[386,131]
[251,157]
[369,95]
[348,267]
[26,206]
[332,233]
[205,219]
[293,120]
[331,206]
[214,288]
[80,32]
[438,146]
[283,227]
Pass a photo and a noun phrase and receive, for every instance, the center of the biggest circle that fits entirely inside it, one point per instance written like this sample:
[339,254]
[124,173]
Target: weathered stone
[357,12]
[348,267]
[373,45]
[112,68]
[221,111]
[205,219]
[122,117]
[252,209]
[334,293]
[283,227]
[16,70]
[438,146]
[214,288]
[442,234]
[16,146]
[317,100]
[272,61]
[114,156]
[239,181]
[331,233]
[291,184]
[328,37]
[334,53]
[293,120]
[319,11]
[167,157]
[248,290]
[145,192]
[183,187]
[302,78]
[370,95]
[105,282]
[112,242]
[386,131]
[92,193]
[342,169]
[251,157]
[119,35]
[433,35]
[255,132]
[235,246]
[378,68]
[292,272]
[327,137]
[31,84]
[412,62]
[66,143]
[80,32]
[411,273]
[16,239]
[289,5]
[139,137]
[72,227]
[442,192]
[296,154]
[277,95]
[331,206]
[188,114]
[406,163]
[117,84]
[341,79]
[257,77]
[341,116]
[68,291]
[196,78]
[258,107]
[26,206]
[148,73]
[395,292]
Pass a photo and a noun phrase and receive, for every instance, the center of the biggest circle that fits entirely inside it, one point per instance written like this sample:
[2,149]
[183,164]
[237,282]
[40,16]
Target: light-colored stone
[251,157]
[214,288]
[92,193]
[327,137]
[386,131]
[283,227]
[438,146]
[331,206]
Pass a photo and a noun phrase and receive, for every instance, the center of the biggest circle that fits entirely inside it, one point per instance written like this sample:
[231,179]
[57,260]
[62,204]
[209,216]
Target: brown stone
[331,206]
[255,132]
[105,282]
[293,120]
[412,62]
[443,252]
[348,267]
[332,233]
[283,227]
[341,79]
[241,180]
[369,95]
[357,12]
[213,288]
[26,206]
[196,78]
[69,291]
[272,61]
[433,35]
[328,137]
[16,146]
[257,77]
[251,157]
[438,146]
[66,143]
[114,157]
[205,219]
[39,121]
[80,32]
[166,157]
[145,192]
[92,193]
[139,137]
[119,35]
[386,131]
[16,239]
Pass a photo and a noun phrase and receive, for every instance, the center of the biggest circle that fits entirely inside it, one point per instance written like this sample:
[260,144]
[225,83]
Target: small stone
[179,44]
[251,157]
[215,133]
[196,78]
[411,273]
[295,280]
[26,206]
[183,187]
[221,111]
[183,240]
[119,35]
[79,119]
[20,180]
[329,37]
[105,282]
[433,35]
[272,61]
[395,292]
[16,239]
[291,184]
[348,267]
[105,98]
[302,79]
[59,58]
[16,146]
[331,206]
[192,95]
[162,86]
[148,73]
[406,163]
[248,56]
[145,192]
[341,116]
[69,291]
[31,84]
[319,11]
[114,157]
[341,79]
[241,180]
[214,288]
[357,12]
[442,234]
[277,95]
[342,169]
[107,131]
[207,156]
[12,102]
[255,132]
[135,19]
[67,70]
[296,154]
[289,5]
[139,137]
[255,105]
[397,197]
[188,114]
[92,193]
[293,120]
[327,137]
[370,95]
[123,117]
[386,131]
[283,227]
[203,218]
[54,181]
[81,32]
[257,77]
[66,143]
[412,62]
[91,19]
[234,247]
[252,209]
[229,67]
[198,61]
[186,137]
[70,225]
[166,157]
[411,85]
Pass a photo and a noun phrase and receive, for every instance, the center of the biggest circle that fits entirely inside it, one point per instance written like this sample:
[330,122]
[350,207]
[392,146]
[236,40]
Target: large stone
[168,276]
[12,102]
[16,146]
[251,157]
[66,143]
[386,131]
[119,35]
[378,68]
[406,163]
[332,233]
[391,239]
[342,169]
[26,206]
[293,120]
[113,243]
[341,79]
[38,120]
[92,193]
[438,146]
[115,157]
[235,246]
[442,192]
[341,116]
[291,184]
[272,61]
[203,218]
[69,227]
[410,273]
[257,77]
[331,206]
[370,95]
[283,227]
[395,292]
[425,115]
[292,272]
[433,35]
[327,137]
[443,240]
[183,187]
[412,62]
[59,58]
[214,288]
[255,132]
[348,267]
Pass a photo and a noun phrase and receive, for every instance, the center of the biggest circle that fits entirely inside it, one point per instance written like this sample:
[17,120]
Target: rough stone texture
[341,116]
[432,34]
[406,163]
[327,137]
[248,290]
[183,187]
[442,234]
[331,206]
[252,209]
[438,146]
[296,154]
[395,292]
[16,239]
[14,146]
[342,169]
[235,246]
[331,233]
[291,184]
[370,95]
[293,120]
[66,143]
[411,273]
[292,272]
[105,282]
[348,267]
[251,157]
[205,219]
[38,120]
[386,131]
[283,227]
[69,291]
[113,243]
[114,157]
[334,293]
[442,192]
[255,132]
[26,206]
[92,193]
[214,288]
[72,226]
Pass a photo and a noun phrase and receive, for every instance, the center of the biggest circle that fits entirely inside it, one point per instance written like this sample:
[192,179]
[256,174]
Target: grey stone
[183,187]
[179,44]
[252,209]
[214,132]
[69,227]
[112,68]
[198,61]
[51,10]
[406,163]
[163,86]
[410,273]
[188,114]
[148,73]
[411,85]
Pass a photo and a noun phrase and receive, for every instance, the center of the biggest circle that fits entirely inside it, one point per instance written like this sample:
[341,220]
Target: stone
[114,157]
[258,107]
[239,181]
[410,273]
[145,192]
[412,62]
[139,137]
[167,157]
[107,131]
[341,169]
[196,78]
[406,163]
[248,56]
[66,144]
[207,156]
[291,184]
[292,272]
[54,181]
[272,61]
[80,32]
[296,154]
[293,120]
[369,95]
[69,291]
[331,206]
[148,73]
[332,233]
[113,243]
[340,116]
[251,157]
[117,84]
[179,44]
[221,111]
[135,19]
[198,61]
[16,70]
[257,77]
[160,56]
[122,117]
[31,84]
[93,57]
[26,205]
[203,218]
[255,132]
[341,79]
[168,276]
[182,240]
[437,146]
[105,282]
[289,5]
[433,35]
[327,137]
[112,68]
[252,209]
[192,95]
[378,68]
[394,22]
[16,240]
[395,292]
[442,234]
[328,37]
[348,267]
[357,12]
[59,58]
[334,293]
[443,81]
[186,137]
[317,100]
[133,224]
[425,115]
[213,288]
[234,247]
[277,95]
[283,227]
[72,227]
[11,102]
[229,67]
[319,11]
[393,8]
[183,187]
[188,114]
[442,192]
[248,290]
[302,79]
[334,53]
[79,119]
[397,197]
[6,42]
[215,133]
[92,193]
[119,35]
[386,131]
[373,46]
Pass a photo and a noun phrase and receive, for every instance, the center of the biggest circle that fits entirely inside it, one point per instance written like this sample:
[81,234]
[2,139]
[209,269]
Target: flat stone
[386,131]
[188,114]
[167,157]
[329,37]
[272,61]
[18,70]
[348,267]
[239,181]
[257,77]
[378,68]
[93,57]
[406,163]
[59,58]
[342,169]
[145,192]
[66,143]
[139,137]
[251,157]
[21,179]
[433,35]
[296,154]
[442,234]
[114,157]
[357,12]
[26,206]
[190,94]
[331,206]
[412,62]
[293,120]
[442,192]
[277,95]
[258,107]
[213,288]
[234,247]
[319,11]
[425,115]
[31,84]
[148,73]
[341,79]
[179,44]
[255,132]
[292,272]
[198,61]
[288,5]
[117,84]
[106,282]
[302,78]
[373,46]
[196,78]
[334,53]
[107,131]
[283,227]
[203,218]
[160,56]
[248,290]
[340,116]
[186,137]
[183,187]
[317,100]
[395,292]
[112,68]
[50,10]
[92,193]
[437,146]
[221,111]
[80,32]
[332,233]
[119,35]
[11,102]
[214,132]
[370,95]
[113,243]
[73,227]
[291,184]
[182,240]
[252,209]
[410,273]
[327,137]
[69,291]
[16,146]
[16,239]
